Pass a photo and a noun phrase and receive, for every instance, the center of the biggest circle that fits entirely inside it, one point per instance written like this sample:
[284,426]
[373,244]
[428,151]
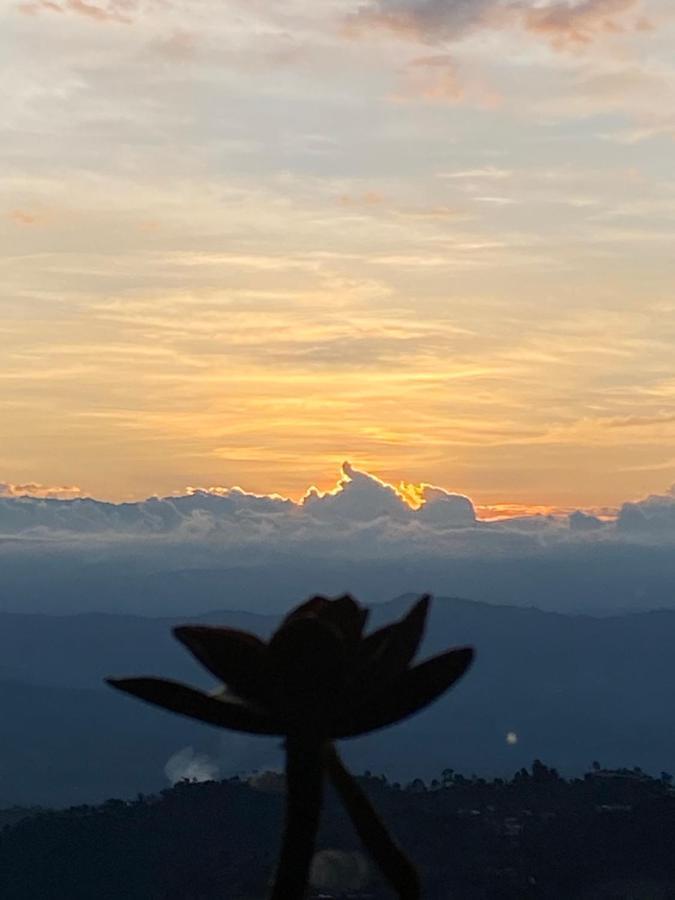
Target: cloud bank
[362,514]
[226,548]
[360,506]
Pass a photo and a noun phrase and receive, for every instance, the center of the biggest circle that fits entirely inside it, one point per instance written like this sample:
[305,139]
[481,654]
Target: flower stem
[392,861]
[304,781]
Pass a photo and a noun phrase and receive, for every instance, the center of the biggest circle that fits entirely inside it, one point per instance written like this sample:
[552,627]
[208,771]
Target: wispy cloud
[488,172]
[121,11]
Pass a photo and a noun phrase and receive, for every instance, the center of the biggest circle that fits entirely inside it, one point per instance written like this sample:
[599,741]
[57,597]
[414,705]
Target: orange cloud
[368,198]
[435,79]
[23,217]
[180,46]
[564,23]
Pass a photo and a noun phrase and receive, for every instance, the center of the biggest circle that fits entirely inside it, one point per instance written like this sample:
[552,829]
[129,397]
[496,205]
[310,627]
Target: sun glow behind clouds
[412,495]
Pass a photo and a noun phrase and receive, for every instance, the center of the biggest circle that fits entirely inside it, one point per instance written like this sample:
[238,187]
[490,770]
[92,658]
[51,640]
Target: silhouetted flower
[318,679]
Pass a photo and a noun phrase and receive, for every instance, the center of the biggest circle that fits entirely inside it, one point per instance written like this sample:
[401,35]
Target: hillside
[570,688]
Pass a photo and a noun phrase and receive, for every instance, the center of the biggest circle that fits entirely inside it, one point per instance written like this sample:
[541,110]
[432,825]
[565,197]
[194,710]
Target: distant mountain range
[568,689]
[599,579]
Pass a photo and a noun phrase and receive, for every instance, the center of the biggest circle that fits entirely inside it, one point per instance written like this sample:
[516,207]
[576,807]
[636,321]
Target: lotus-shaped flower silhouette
[317,679]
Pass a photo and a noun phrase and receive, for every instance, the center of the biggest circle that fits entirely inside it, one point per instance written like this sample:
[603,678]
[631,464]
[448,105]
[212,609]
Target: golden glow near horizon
[239,245]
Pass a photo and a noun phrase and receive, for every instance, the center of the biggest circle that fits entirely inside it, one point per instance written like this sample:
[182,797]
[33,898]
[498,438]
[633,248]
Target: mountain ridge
[566,688]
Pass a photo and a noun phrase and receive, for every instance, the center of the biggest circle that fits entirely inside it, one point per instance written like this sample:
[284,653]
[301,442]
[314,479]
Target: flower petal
[386,653]
[235,657]
[179,698]
[348,616]
[308,662]
[405,695]
[310,607]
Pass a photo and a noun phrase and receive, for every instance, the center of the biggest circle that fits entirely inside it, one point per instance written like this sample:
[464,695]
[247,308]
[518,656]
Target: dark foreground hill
[570,689]
[535,837]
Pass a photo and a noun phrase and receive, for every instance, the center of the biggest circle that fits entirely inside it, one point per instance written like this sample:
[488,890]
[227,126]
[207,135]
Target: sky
[241,242]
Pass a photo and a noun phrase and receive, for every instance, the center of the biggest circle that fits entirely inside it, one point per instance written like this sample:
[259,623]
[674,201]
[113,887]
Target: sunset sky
[241,242]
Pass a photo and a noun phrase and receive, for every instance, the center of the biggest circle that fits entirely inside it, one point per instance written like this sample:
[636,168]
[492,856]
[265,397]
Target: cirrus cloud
[121,11]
